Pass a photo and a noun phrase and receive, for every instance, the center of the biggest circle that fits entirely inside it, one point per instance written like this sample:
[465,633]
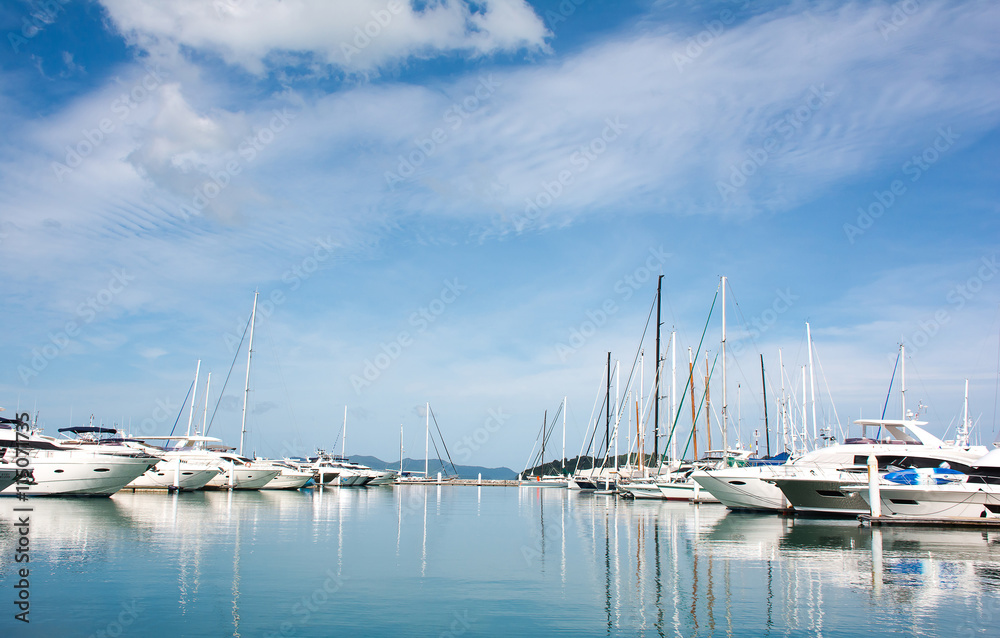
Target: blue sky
[453,190]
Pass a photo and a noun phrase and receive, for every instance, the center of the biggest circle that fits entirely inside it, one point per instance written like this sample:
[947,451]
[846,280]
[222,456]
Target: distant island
[436,465]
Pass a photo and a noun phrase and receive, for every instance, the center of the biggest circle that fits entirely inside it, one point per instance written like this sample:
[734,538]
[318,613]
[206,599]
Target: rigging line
[829,394]
[231,367]
[996,390]
[443,444]
[701,405]
[680,404]
[183,403]
[888,394]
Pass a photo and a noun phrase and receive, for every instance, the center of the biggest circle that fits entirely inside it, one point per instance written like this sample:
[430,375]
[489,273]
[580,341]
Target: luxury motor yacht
[64,467]
[235,472]
[814,482]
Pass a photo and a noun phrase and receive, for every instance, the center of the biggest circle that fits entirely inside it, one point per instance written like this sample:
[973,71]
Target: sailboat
[548,480]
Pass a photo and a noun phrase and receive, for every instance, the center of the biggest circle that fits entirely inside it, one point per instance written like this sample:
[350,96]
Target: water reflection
[517,561]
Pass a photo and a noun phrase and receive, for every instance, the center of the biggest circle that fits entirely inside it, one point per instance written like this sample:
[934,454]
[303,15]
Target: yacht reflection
[663,568]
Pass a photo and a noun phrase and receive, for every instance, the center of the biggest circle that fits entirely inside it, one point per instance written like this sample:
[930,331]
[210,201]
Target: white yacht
[549,480]
[290,477]
[62,467]
[235,472]
[975,495]
[814,482]
[330,469]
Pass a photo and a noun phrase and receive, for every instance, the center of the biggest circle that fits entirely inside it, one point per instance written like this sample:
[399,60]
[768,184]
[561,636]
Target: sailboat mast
[343,442]
[725,424]
[656,382]
[708,406]
[673,390]
[902,378]
[204,418]
[694,414]
[963,438]
[618,412]
[564,436]
[812,380]
[194,392]
[763,385]
[607,413]
[805,420]
[401,449]
[545,425]
[427,437]
[246,387]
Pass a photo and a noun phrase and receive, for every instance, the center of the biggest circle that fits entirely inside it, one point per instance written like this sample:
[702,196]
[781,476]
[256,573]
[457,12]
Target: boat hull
[164,477]
[742,489]
[823,495]
[81,473]
[244,478]
[961,500]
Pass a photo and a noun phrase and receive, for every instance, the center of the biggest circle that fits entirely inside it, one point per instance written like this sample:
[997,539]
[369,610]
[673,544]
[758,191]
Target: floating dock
[878,521]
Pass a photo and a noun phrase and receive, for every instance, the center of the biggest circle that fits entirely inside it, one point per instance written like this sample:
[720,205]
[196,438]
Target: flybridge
[904,431]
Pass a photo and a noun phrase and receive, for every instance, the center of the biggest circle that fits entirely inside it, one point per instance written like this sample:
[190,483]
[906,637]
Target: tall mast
[812,381]
[963,438]
[246,388]
[763,384]
[783,409]
[204,418]
[194,391]
[545,423]
[656,383]
[618,412]
[564,436]
[725,424]
[343,442]
[642,380]
[401,449]
[427,437]
[673,390]
[694,414]
[708,406]
[607,414]
[805,420]
[902,377]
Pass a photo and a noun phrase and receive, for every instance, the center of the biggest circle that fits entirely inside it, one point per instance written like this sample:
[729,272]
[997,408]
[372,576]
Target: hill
[435,466]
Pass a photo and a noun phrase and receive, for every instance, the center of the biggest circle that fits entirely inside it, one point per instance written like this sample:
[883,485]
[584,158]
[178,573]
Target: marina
[398,561]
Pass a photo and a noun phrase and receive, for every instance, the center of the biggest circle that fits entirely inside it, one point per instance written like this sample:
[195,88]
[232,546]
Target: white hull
[81,473]
[962,500]
[742,488]
[686,490]
[288,480]
[648,491]
[163,477]
[244,478]
[545,481]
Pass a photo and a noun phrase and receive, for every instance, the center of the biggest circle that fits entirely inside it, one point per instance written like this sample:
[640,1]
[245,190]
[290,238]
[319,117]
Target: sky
[468,204]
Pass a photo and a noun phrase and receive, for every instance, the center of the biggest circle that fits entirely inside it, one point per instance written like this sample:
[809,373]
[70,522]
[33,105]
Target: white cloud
[362,35]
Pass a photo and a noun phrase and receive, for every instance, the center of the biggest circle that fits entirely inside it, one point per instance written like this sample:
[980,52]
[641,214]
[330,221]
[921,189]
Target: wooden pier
[879,521]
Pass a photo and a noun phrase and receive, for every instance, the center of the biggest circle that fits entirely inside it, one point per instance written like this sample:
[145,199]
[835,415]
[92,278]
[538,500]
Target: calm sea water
[468,561]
